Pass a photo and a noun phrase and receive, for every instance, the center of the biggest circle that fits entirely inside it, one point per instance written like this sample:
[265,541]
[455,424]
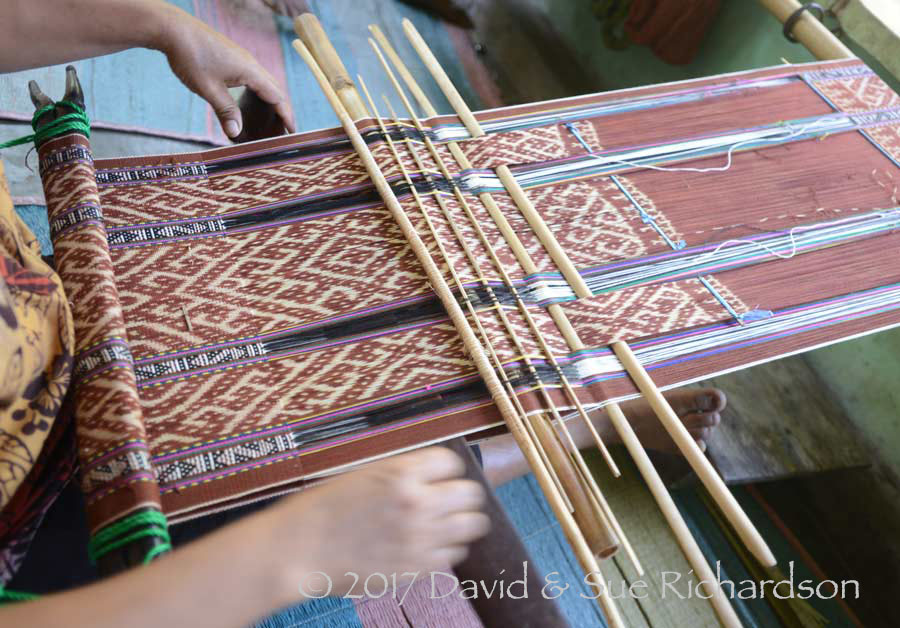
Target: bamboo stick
[689,449]
[599,532]
[697,561]
[310,31]
[540,228]
[809,31]
[443,81]
[416,91]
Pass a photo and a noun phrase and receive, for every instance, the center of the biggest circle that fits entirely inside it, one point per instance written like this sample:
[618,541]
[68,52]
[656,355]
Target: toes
[683,400]
[697,420]
[709,400]
[700,432]
[686,400]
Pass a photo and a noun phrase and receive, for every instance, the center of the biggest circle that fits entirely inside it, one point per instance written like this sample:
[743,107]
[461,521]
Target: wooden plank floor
[781,421]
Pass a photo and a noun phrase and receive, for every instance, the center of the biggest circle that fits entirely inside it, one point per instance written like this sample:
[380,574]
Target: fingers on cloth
[432,464]
[267,89]
[453,496]
[462,528]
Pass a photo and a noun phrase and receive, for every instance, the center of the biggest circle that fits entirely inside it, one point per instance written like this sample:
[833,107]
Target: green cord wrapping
[112,537]
[77,120]
[8,597]
[136,526]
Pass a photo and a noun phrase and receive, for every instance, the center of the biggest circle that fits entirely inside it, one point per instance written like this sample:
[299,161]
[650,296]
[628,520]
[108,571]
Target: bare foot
[699,409]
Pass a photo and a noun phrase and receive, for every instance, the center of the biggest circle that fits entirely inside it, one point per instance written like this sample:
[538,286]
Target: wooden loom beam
[821,42]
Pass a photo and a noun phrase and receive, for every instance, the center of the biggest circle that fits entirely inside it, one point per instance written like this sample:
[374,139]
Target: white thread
[834,223]
[728,161]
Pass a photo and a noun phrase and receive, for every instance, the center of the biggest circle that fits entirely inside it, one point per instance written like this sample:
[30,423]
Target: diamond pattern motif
[636,313]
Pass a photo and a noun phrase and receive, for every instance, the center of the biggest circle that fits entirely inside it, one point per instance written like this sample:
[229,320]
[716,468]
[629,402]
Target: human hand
[290,8]
[208,63]
[406,514]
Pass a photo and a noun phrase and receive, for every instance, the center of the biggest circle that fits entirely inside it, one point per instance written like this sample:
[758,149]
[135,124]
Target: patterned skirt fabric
[36,349]
[251,316]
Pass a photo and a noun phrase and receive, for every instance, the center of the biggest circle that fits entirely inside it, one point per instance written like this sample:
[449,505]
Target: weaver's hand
[208,63]
[409,513]
[290,8]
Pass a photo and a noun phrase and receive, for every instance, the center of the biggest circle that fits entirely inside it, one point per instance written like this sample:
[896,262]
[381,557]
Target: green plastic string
[121,533]
[77,120]
[9,597]
[150,523]
[146,517]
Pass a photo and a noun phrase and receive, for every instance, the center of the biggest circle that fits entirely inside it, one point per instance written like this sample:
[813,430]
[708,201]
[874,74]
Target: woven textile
[251,316]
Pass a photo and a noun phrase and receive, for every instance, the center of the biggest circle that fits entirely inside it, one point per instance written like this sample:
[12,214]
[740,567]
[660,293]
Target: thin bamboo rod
[692,453]
[443,81]
[426,106]
[689,547]
[470,342]
[540,228]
